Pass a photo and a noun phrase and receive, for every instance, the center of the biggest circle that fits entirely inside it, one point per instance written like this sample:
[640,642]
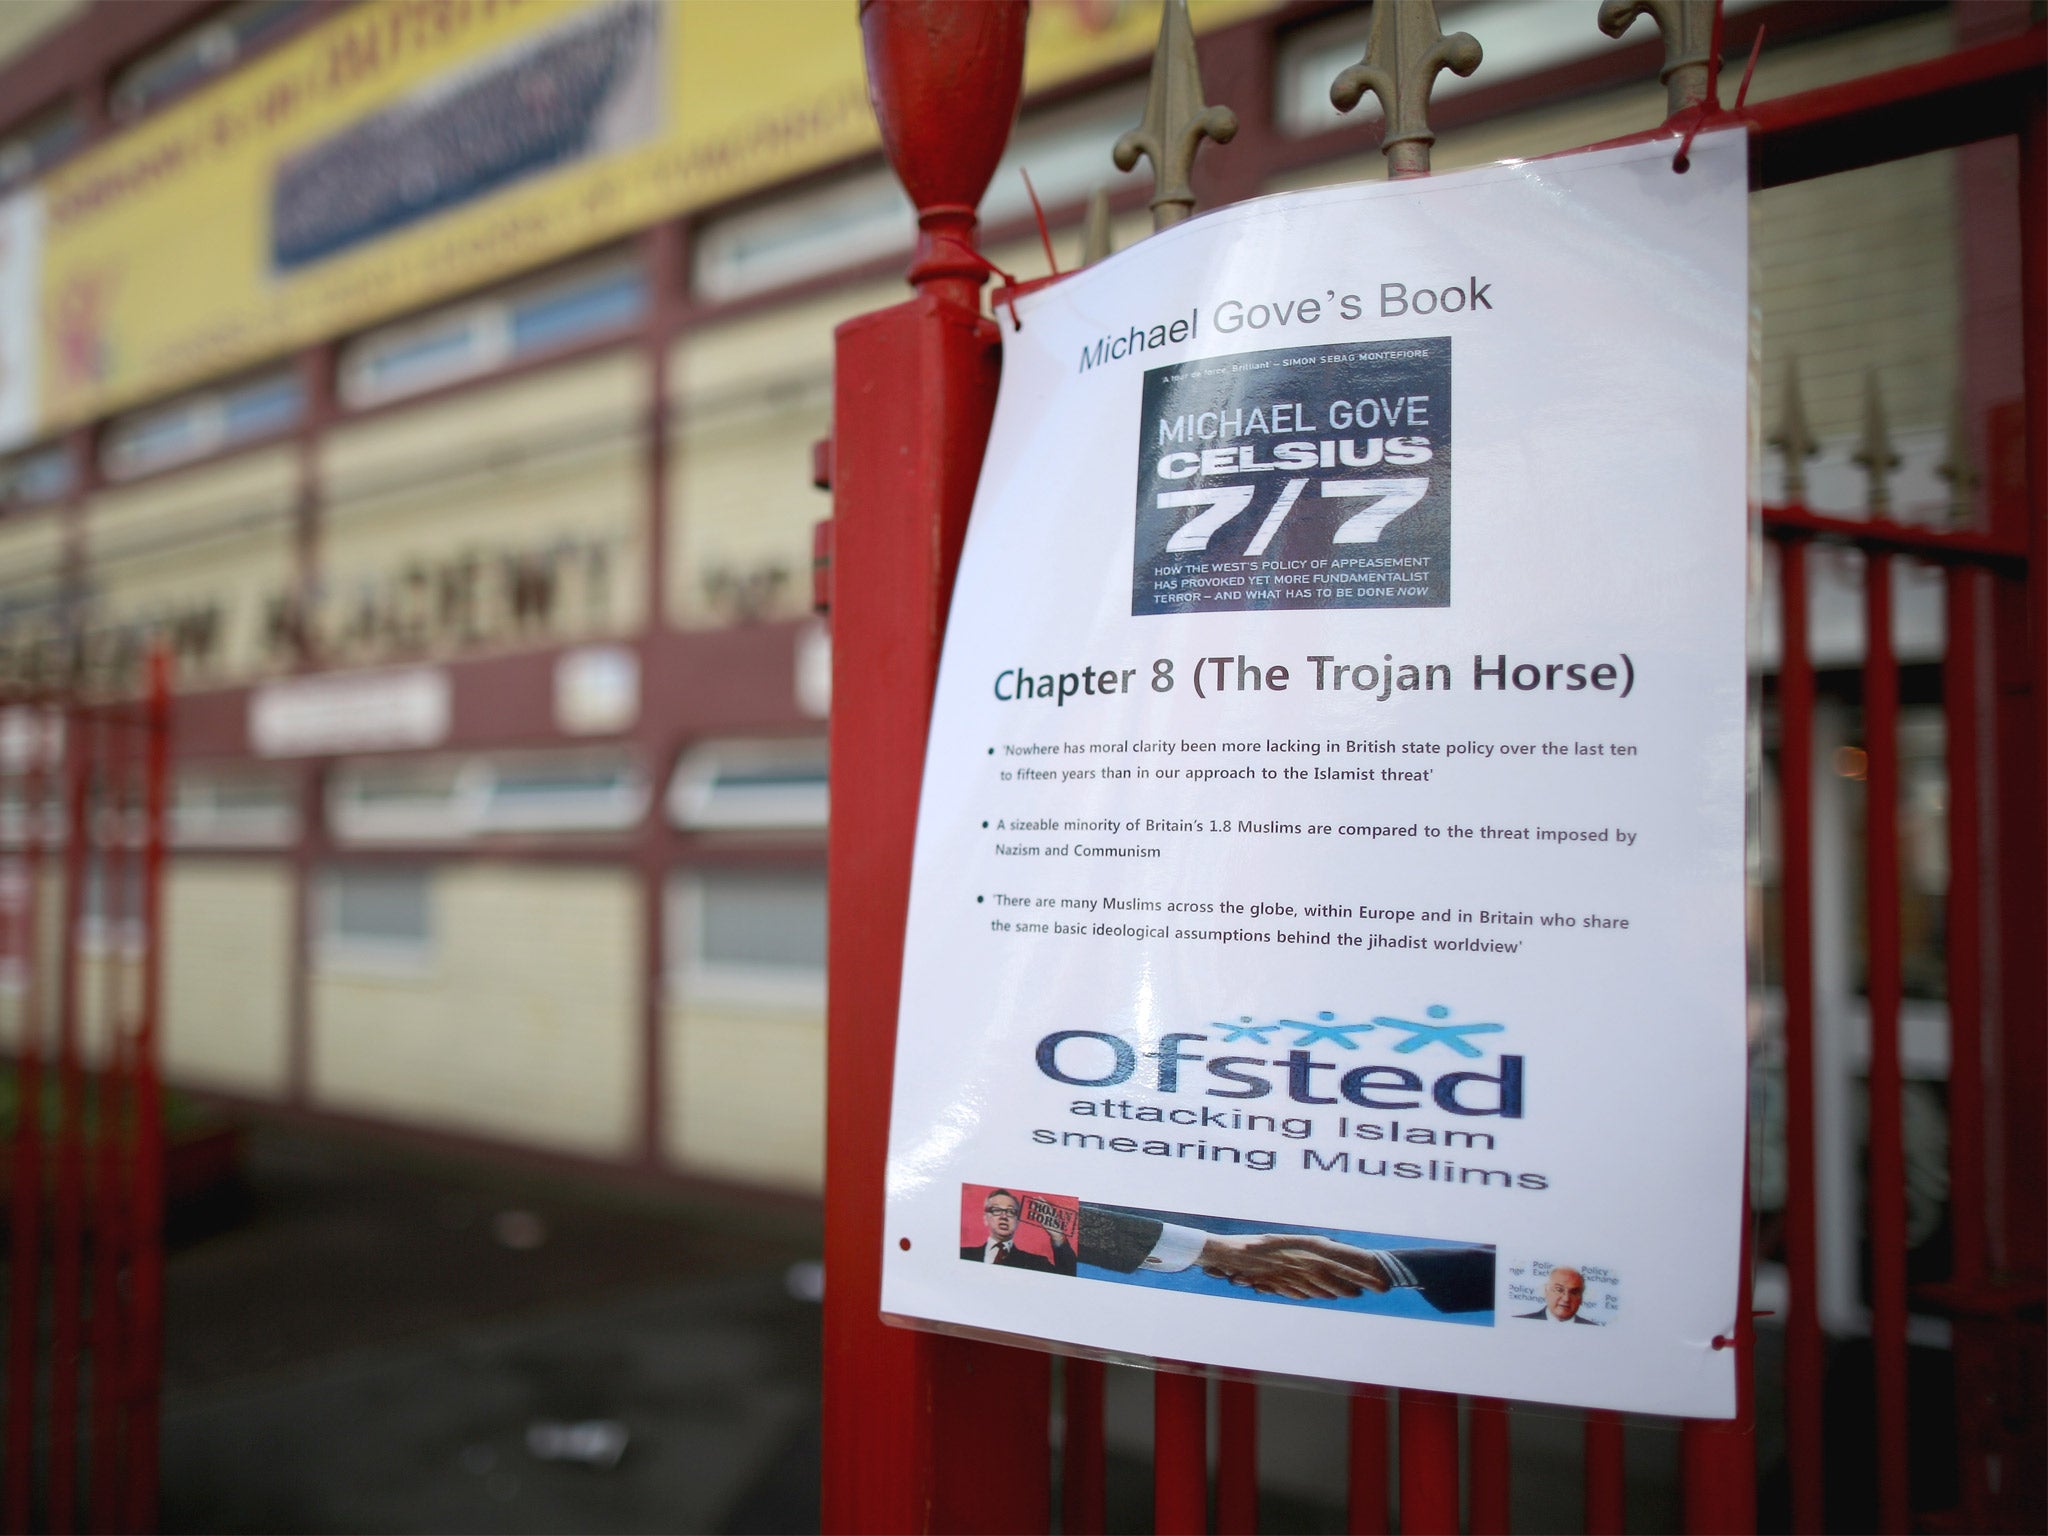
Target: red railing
[91,1174]
[913,1420]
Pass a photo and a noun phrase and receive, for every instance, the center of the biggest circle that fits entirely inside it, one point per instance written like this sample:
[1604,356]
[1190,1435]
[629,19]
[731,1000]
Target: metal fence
[82,818]
[913,1421]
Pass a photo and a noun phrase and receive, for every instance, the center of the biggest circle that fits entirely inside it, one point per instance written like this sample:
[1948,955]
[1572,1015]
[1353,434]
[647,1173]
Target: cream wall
[227,974]
[745,1095]
[218,536]
[521,1024]
[554,459]
[751,396]
[31,575]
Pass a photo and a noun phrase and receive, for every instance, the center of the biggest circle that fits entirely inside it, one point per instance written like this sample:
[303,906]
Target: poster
[391,155]
[1326,947]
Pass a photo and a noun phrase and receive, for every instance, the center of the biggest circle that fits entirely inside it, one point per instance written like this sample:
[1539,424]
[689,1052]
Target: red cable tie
[1755,48]
[1009,282]
[1038,212]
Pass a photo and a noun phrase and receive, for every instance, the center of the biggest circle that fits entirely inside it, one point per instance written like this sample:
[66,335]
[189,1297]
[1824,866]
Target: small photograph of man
[1564,1292]
[1002,1213]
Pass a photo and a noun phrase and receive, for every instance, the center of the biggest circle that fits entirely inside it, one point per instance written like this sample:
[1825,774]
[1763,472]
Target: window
[748,938]
[376,917]
[751,785]
[197,54]
[40,143]
[111,915]
[201,424]
[604,793]
[399,800]
[482,335]
[827,230]
[31,742]
[446,799]
[234,809]
[36,475]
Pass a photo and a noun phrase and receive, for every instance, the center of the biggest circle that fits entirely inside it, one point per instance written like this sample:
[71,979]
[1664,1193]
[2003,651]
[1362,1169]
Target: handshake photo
[1293,1264]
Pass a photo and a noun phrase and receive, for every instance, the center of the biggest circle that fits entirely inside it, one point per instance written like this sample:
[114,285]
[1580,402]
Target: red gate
[910,1419]
[82,817]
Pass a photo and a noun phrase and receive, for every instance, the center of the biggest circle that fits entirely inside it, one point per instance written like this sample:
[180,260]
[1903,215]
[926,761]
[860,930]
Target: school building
[440,380]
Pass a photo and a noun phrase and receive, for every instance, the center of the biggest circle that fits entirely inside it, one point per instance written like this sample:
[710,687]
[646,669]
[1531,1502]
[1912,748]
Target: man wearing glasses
[1000,1212]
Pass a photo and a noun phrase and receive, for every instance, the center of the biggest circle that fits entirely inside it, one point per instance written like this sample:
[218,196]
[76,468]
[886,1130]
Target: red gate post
[1429,1462]
[1886,1184]
[1365,1499]
[1237,1459]
[1180,1454]
[1717,1457]
[146,1204]
[26,1241]
[1083,1493]
[1605,1511]
[67,1223]
[108,1334]
[1805,1345]
[914,1424]
[1489,1486]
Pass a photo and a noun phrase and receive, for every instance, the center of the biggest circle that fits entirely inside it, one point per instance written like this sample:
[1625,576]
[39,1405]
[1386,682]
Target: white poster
[1326,949]
[21,276]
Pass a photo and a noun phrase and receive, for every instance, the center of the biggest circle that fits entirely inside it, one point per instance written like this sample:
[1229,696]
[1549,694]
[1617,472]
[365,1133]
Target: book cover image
[1309,477]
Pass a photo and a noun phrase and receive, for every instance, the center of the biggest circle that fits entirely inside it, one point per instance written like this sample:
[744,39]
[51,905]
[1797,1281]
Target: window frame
[693,981]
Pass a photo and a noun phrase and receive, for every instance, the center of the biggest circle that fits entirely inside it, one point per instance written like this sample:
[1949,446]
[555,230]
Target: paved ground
[363,1343]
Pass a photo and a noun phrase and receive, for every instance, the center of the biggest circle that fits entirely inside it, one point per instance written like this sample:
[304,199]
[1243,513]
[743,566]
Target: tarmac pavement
[371,1337]
[364,1344]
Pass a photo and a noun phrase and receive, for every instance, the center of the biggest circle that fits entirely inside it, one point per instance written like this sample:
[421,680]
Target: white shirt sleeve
[1399,1276]
[1177,1248]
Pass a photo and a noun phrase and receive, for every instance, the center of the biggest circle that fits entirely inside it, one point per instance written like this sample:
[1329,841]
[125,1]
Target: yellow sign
[411,149]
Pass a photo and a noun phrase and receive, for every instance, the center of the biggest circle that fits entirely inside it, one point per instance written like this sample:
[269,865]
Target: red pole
[1606,1473]
[910,1420]
[1367,1495]
[1717,1457]
[1887,1165]
[110,1113]
[25,1281]
[67,1236]
[1237,1459]
[1968,1194]
[146,1281]
[1487,1469]
[1429,1463]
[1083,1485]
[1180,1454]
[2024,1198]
[1805,1347]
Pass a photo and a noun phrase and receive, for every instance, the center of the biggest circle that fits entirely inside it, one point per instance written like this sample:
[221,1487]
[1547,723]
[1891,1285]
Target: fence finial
[1959,467]
[944,82]
[1794,437]
[1876,456]
[1095,240]
[1403,55]
[1688,28]
[1175,121]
